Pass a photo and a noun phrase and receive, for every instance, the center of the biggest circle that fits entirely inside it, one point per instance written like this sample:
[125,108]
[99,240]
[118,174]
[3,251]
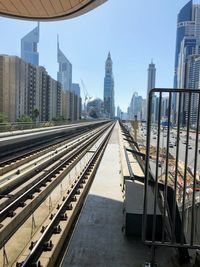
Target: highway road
[173,146]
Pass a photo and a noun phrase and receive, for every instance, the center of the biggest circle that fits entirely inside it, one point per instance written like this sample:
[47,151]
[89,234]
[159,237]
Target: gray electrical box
[134,194]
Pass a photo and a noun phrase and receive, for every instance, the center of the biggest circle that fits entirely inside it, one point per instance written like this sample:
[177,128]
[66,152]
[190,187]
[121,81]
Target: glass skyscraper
[184,28]
[76,89]
[151,77]
[187,56]
[64,74]
[29,43]
[109,104]
[150,85]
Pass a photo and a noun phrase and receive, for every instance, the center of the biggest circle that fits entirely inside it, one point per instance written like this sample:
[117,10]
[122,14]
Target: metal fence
[173,157]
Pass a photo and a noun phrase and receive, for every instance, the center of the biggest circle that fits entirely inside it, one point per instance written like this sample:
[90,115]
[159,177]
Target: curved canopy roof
[46,9]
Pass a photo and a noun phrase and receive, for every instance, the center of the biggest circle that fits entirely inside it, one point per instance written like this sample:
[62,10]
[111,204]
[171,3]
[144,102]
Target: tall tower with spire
[29,43]
[150,85]
[64,74]
[151,77]
[109,103]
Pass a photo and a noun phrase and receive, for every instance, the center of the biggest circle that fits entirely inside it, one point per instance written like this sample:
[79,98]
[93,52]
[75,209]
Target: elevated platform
[99,238]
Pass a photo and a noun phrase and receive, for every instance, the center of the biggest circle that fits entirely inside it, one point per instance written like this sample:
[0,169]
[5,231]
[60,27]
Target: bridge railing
[175,167]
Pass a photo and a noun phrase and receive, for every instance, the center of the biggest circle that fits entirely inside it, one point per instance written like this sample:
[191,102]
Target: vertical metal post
[156,182]
[185,170]
[144,218]
[166,168]
[176,169]
[195,172]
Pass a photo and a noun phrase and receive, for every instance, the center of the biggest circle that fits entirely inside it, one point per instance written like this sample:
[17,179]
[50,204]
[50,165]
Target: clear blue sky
[133,31]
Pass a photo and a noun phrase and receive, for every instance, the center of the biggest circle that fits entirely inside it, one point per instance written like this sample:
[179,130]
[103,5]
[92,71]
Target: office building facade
[76,89]
[25,87]
[187,56]
[64,74]
[70,106]
[8,84]
[29,51]
[109,104]
[135,107]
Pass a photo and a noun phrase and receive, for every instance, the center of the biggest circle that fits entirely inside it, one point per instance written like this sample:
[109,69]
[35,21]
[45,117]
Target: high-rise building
[71,106]
[144,110]
[187,56]
[54,98]
[164,105]
[185,28]
[151,77]
[119,113]
[25,87]
[29,43]
[135,108]
[8,86]
[76,89]
[64,74]
[71,101]
[150,85]
[109,105]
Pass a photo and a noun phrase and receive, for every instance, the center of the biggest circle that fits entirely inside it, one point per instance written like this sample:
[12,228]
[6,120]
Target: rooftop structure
[47,10]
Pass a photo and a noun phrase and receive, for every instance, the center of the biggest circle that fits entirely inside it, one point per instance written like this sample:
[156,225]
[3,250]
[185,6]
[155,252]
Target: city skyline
[127,40]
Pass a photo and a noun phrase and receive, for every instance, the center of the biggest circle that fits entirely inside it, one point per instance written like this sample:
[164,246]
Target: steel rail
[50,142]
[15,204]
[48,232]
[9,210]
[42,166]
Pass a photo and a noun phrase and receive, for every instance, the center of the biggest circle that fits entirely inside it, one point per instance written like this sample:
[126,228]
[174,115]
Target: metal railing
[173,156]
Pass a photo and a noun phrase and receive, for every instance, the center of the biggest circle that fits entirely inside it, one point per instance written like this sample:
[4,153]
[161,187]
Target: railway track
[13,157]
[22,168]
[31,195]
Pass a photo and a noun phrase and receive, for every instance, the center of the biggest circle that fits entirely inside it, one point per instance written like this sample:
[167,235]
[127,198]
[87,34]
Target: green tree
[59,118]
[24,118]
[3,117]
